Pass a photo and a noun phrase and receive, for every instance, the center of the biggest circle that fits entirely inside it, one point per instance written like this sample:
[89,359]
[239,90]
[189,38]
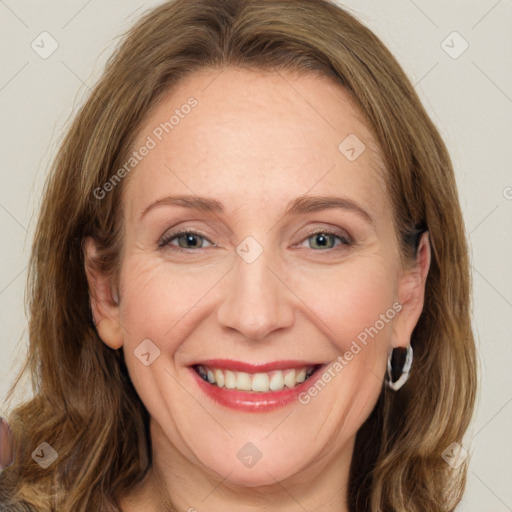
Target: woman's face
[263,160]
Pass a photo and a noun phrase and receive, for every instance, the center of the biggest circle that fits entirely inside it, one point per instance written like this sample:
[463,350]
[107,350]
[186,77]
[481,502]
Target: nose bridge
[255,301]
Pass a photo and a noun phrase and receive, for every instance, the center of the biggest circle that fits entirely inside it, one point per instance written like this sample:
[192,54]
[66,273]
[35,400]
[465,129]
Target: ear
[411,294]
[104,299]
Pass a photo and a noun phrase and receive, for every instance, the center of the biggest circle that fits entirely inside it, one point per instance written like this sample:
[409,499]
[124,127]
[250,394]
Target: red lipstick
[239,366]
[251,401]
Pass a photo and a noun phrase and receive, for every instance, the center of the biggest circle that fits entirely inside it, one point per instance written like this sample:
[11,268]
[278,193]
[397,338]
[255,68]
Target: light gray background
[469,98]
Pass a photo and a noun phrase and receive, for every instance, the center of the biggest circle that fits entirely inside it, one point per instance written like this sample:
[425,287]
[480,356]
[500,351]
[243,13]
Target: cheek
[353,307]
[157,304]
[351,300]
[343,301]
[142,295]
[160,299]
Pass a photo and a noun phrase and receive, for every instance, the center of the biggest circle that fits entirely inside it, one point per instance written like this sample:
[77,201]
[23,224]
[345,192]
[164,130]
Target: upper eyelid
[331,231]
[166,238]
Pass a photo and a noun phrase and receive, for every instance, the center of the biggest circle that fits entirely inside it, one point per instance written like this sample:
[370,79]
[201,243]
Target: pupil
[188,239]
[322,238]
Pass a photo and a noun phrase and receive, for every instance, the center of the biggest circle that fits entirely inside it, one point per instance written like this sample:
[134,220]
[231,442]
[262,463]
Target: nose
[257,299]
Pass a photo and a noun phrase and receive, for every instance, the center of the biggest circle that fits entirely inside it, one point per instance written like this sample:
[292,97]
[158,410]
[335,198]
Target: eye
[325,239]
[186,240]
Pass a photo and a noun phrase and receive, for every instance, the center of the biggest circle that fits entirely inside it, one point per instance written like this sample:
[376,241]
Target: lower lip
[251,401]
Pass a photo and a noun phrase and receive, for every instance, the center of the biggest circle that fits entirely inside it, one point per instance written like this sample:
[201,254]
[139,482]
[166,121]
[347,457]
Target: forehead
[255,138]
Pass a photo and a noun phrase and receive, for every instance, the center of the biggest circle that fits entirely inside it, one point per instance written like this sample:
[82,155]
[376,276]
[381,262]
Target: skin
[256,141]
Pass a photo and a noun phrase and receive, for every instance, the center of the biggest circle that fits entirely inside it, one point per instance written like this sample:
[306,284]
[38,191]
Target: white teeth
[289,379]
[301,375]
[219,378]
[277,381]
[258,382]
[230,379]
[243,381]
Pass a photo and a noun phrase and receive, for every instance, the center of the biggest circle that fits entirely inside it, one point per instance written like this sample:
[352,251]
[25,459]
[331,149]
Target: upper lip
[240,366]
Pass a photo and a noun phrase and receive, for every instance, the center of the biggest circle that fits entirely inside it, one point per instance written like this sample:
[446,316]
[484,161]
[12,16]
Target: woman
[249,280]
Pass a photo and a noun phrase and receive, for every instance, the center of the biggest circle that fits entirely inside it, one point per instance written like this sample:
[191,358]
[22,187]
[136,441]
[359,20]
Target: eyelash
[346,241]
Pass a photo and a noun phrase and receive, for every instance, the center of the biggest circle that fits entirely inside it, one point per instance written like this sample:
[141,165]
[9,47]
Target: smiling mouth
[261,382]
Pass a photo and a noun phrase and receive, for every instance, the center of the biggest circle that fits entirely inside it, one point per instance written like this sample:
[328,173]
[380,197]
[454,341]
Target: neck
[175,484]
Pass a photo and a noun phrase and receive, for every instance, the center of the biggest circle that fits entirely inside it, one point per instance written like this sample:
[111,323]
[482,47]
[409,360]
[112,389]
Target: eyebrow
[299,205]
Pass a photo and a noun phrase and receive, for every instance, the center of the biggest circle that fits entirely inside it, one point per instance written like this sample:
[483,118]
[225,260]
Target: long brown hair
[85,406]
